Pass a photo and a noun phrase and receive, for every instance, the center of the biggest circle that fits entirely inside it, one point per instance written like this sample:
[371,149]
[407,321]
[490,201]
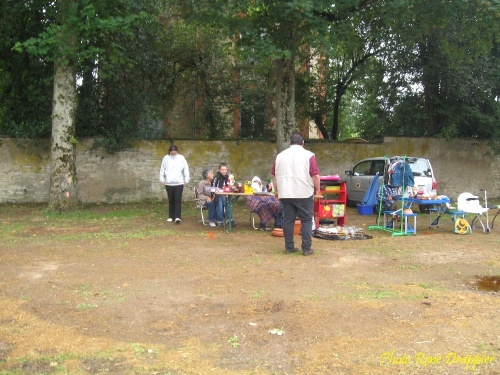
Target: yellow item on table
[248,188]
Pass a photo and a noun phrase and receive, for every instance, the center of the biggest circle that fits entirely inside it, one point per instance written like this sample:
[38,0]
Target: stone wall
[132,175]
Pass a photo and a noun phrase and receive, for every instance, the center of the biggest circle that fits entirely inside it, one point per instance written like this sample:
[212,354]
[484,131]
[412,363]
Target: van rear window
[420,167]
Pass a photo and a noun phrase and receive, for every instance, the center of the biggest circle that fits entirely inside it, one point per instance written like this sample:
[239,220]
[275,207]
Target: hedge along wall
[132,175]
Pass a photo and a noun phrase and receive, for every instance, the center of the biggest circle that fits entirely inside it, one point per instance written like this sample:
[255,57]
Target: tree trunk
[285,102]
[63,186]
[320,113]
[336,111]
[429,54]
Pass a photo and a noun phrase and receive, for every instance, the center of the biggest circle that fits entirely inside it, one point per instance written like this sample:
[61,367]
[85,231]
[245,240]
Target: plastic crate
[365,210]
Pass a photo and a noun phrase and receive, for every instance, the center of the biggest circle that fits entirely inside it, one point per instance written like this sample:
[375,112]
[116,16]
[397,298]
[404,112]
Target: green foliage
[270,33]
[90,20]
[116,60]
[25,82]
[234,341]
[201,77]
[405,68]
[436,75]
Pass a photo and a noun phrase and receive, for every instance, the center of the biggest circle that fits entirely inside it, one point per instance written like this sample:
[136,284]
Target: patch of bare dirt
[137,295]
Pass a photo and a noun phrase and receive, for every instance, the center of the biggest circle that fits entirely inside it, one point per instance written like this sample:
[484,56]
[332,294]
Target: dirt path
[110,293]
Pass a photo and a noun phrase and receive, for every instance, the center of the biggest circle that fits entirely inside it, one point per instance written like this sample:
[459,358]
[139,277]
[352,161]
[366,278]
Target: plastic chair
[495,207]
[200,205]
[469,204]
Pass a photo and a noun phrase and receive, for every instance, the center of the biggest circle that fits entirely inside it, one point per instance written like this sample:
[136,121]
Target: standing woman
[174,174]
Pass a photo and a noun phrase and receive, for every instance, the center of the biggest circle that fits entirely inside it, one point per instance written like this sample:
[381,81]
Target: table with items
[403,214]
[439,205]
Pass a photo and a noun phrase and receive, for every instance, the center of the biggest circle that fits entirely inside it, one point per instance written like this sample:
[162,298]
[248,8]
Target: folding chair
[495,207]
[199,205]
[252,219]
[469,204]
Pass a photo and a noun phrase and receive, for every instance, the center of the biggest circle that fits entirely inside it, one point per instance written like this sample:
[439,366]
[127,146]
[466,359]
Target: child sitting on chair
[386,193]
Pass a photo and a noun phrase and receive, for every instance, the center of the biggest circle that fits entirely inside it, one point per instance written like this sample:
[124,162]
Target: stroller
[469,204]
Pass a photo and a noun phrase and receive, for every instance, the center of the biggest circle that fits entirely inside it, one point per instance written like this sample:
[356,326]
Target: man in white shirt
[297,180]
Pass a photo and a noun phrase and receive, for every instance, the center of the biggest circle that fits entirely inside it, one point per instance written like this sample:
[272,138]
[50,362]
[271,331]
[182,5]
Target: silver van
[359,178]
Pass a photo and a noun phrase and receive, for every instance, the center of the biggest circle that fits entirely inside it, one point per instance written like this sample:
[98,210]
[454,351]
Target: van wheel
[424,208]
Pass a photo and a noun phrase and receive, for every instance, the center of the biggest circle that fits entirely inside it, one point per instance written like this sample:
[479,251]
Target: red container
[278,232]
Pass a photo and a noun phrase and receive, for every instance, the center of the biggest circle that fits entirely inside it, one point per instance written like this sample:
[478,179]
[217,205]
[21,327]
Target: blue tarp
[370,197]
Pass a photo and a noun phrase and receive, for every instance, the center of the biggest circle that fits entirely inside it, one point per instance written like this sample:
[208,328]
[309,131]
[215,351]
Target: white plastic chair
[199,205]
[469,204]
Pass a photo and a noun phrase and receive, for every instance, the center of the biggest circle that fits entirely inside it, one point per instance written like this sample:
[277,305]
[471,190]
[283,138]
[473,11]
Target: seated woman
[267,207]
[205,195]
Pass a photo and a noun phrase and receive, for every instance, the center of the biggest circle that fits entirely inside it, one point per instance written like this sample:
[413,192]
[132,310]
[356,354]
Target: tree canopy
[259,68]
[70,33]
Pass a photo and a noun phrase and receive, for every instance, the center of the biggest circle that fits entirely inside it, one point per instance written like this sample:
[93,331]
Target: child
[220,181]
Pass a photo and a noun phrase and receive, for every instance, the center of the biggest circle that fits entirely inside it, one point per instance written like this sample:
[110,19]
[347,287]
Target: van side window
[362,169]
[378,166]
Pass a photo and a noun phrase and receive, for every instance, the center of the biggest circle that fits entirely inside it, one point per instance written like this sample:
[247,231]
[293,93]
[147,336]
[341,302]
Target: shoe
[177,221]
[212,224]
[289,251]
[220,224]
[308,252]
[233,224]
[170,220]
